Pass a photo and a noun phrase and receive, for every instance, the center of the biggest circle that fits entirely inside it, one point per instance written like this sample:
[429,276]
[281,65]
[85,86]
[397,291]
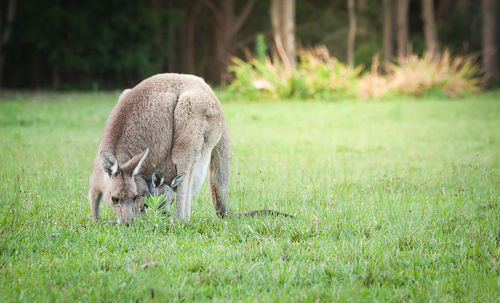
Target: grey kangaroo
[170,123]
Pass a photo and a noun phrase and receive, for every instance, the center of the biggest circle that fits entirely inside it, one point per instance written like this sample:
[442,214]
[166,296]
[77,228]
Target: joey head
[158,187]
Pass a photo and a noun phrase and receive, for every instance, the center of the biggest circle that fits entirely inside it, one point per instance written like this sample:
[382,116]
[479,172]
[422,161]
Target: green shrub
[261,47]
[454,76]
[321,76]
[154,203]
[325,76]
[317,75]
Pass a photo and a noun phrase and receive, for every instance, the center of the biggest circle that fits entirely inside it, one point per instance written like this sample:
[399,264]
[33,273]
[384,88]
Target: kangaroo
[159,187]
[171,123]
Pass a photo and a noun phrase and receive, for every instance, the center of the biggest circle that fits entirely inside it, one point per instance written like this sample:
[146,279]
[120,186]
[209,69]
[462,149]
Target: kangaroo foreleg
[183,199]
[95,201]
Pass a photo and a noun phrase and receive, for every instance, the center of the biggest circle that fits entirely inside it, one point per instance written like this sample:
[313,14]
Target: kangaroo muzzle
[126,214]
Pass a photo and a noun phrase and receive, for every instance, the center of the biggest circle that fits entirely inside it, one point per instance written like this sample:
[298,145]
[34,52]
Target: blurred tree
[388,30]
[226,25]
[402,27]
[283,23]
[430,31]
[190,41]
[351,38]
[95,44]
[445,8]
[7,11]
[362,4]
[490,48]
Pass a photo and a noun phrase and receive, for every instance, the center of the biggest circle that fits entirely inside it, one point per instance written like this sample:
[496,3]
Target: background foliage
[101,43]
[114,44]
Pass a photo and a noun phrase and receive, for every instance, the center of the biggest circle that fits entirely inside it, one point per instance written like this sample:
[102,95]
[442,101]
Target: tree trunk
[430,31]
[445,8]
[157,8]
[462,6]
[489,45]
[190,56]
[283,23]
[361,5]
[56,79]
[387,31]
[226,26]
[402,27]
[275,12]
[170,46]
[352,32]
[224,37]
[5,29]
[36,75]
[289,31]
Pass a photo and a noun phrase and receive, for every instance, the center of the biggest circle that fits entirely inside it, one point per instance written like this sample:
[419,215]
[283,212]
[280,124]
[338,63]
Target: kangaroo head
[160,187]
[121,192]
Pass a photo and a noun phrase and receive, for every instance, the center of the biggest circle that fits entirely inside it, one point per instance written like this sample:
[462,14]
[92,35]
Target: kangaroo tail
[263,212]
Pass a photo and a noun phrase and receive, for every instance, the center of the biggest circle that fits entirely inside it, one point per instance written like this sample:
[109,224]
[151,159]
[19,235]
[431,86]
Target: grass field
[395,201]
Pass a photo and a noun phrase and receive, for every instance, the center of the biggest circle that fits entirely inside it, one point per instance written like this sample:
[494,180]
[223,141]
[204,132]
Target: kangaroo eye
[115,200]
[136,197]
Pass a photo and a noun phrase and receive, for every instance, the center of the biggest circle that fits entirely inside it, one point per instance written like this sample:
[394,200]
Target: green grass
[395,201]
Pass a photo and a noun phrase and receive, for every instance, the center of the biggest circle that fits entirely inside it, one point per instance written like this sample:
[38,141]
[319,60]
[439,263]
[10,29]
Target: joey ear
[108,162]
[135,163]
[157,179]
[177,180]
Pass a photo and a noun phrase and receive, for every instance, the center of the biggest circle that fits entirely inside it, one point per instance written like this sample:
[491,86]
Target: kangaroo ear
[157,179]
[177,180]
[109,164]
[123,94]
[135,163]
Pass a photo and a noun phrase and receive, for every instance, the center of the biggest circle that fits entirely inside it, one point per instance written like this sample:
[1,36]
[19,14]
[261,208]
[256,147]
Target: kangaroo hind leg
[187,146]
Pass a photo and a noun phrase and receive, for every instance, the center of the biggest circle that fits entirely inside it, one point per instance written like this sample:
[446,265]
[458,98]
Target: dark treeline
[96,44]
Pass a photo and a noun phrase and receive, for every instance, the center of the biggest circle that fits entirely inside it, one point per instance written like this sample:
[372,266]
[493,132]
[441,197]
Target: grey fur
[179,119]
